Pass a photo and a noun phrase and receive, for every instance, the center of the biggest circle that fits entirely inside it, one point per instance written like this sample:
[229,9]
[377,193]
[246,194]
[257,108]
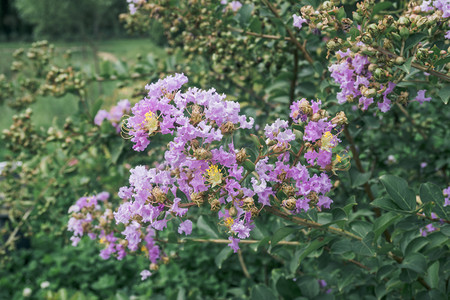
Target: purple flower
[185,227]
[235,5]
[145,274]
[234,244]
[421,97]
[447,35]
[241,229]
[100,116]
[298,21]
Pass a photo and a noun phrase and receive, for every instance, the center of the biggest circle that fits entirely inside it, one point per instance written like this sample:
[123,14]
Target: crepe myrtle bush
[332,165]
[378,236]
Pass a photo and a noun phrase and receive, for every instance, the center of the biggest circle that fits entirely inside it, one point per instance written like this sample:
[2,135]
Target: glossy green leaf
[430,192]
[398,190]
[262,292]
[383,222]
[415,262]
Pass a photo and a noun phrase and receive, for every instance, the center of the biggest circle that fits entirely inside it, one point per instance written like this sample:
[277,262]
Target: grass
[47,110]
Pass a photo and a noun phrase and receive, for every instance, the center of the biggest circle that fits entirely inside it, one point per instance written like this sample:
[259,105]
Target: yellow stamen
[151,122]
[338,158]
[214,175]
[229,222]
[102,240]
[327,141]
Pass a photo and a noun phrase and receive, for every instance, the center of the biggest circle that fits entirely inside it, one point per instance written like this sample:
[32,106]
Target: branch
[311,224]
[416,65]
[243,266]
[290,33]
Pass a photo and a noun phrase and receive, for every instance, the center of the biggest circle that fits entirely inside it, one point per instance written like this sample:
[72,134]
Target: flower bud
[404,33]
[372,29]
[232,211]
[241,156]
[339,119]
[248,203]
[159,195]
[399,60]
[288,189]
[289,203]
[404,21]
[215,205]
[227,128]
[198,198]
[153,267]
[202,154]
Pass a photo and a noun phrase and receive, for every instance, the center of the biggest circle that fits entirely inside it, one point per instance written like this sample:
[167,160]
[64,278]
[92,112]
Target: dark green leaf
[262,292]
[249,165]
[383,222]
[207,227]
[281,234]
[398,189]
[433,275]
[415,262]
[287,288]
[381,6]
[385,203]
[430,192]
[309,286]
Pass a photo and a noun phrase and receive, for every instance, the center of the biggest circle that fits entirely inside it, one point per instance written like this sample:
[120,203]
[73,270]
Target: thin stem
[300,47]
[416,65]
[311,224]
[243,266]
[294,80]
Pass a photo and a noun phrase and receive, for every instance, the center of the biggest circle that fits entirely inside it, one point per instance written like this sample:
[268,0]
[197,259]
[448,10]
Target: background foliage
[399,159]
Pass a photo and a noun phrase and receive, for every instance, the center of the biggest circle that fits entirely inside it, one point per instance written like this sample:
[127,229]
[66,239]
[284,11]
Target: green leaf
[413,39]
[222,256]
[262,292]
[407,65]
[287,288]
[365,246]
[443,61]
[398,189]
[255,25]
[415,245]
[359,178]
[244,14]
[341,13]
[385,203]
[249,165]
[433,275]
[415,262]
[309,286]
[207,227]
[383,222]
[361,228]
[444,93]
[281,234]
[341,247]
[381,6]
[314,245]
[430,192]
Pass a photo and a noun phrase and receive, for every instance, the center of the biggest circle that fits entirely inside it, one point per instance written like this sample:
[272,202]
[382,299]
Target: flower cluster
[114,115]
[202,165]
[358,83]
[440,5]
